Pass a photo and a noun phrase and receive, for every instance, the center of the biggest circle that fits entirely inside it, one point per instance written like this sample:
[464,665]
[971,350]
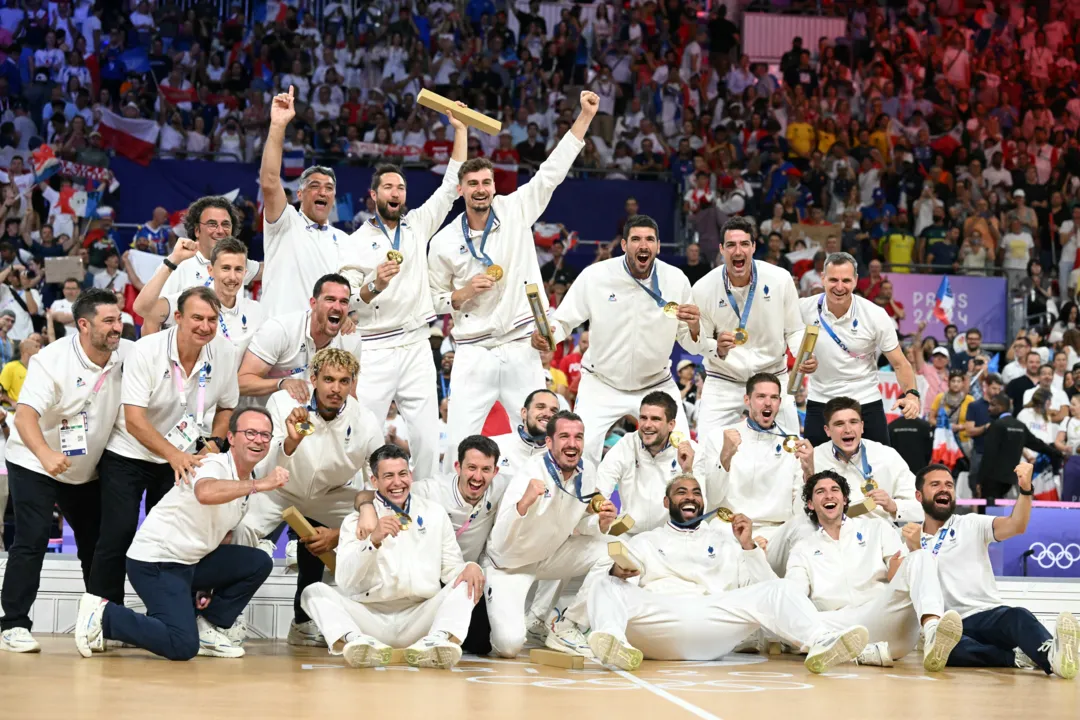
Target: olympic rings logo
[1055,555]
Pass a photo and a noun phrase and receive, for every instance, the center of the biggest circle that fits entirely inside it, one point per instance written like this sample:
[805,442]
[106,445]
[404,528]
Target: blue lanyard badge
[402,513]
[743,316]
[482,256]
[654,291]
[396,242]
[556,475]
[832,333]
[937,545]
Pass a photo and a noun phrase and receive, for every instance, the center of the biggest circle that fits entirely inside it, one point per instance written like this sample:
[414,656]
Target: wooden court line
[659,692]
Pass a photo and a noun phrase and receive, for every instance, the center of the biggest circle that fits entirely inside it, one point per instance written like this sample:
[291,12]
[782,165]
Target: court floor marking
[659,692]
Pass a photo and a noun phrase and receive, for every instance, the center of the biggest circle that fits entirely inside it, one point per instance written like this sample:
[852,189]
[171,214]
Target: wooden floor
[277,681]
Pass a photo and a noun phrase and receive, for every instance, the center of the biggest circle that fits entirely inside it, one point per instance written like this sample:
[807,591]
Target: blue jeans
[232,572]
[990,636]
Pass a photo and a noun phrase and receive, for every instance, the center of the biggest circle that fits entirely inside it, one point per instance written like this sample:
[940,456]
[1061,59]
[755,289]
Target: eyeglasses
[254,435]
[214,225]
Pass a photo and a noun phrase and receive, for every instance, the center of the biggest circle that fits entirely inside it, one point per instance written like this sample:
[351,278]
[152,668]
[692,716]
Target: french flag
[945,448]
[134,138]
[45,163]
[943,302]
[292,162]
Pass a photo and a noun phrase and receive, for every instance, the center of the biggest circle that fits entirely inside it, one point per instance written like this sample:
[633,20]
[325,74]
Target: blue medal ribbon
[445,385]
[396,242]
[694,521]
[743,316]
[832,333]
[556,475]
[937,545]
[482,256]
[529,439]
[402,513]
[866,471]
[756,427]
[654,291]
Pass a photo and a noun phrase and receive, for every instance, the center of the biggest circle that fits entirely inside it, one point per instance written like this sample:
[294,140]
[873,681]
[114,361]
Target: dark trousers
[34,495]
[990,636]
[123,482]
[232,572]
[309,570]
[875,424]
[478,641]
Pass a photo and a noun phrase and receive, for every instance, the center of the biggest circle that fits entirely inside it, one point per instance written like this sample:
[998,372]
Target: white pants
[782,538]
[264,512]
[405,374]
[601,405]
[721,405]
[700,627]
[398,624]
[481,376]
[895,615]
[507,589]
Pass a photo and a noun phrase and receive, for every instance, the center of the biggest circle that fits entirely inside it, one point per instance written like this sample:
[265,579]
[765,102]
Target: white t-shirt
[967,578]
[116,282]
[148,383]
[477,519]
[196,271]
[1071,428]
[1058,398]
[1018,247]
[23,326]
[298,253]
[180,529]
[237,324]
[1045,430]
[63,305]
[284,343]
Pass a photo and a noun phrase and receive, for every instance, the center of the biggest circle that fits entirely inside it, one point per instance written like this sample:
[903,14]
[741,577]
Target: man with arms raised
[66,411]
[208,220]
[279,356]
[178,393]
[388,585]
[529,439]
[853,332]
[180,549]
[871,469]
[749,319]
[324,443]
[239,317]
[300,245]
[759,467]
[479,265]
[386,262]
[995,635]
[637,307]
[696,596]
[853,571]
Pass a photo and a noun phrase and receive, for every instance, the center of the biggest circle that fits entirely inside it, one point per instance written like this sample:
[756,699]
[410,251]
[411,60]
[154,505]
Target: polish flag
[133,138]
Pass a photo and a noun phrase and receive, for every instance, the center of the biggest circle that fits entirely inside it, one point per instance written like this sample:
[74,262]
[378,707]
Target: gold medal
[790,442]
[724,514]
[395,257]
[869,485]
[495,272]
[596,503]
[671,309]
[741,336]
[305,428]
[676,439]
[404,520]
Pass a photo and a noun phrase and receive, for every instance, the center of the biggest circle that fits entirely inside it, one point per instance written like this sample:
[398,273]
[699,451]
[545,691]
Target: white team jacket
[889,471]
[641,479]
[480,518]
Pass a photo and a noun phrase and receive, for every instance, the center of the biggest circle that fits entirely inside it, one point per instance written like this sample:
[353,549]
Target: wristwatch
[372,289]
[169,264]
[1022,491]
[913,392]
[220,443]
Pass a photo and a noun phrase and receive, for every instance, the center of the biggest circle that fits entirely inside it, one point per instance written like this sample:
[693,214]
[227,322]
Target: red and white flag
[133,138]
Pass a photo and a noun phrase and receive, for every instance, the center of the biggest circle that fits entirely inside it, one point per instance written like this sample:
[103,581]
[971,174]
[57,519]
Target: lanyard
[529,439]
[556,475]
[699,519]
[483,256]
[654,291]
[756,427]
[224,327]
[866,471]
[200,402]
[396,242]
[402,513]
[832,333]
[743,316]
[313,406]
[465,525]
[937,545]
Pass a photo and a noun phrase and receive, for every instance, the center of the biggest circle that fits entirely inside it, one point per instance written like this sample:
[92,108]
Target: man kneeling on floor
[388,592]
[178,551]
[696,596]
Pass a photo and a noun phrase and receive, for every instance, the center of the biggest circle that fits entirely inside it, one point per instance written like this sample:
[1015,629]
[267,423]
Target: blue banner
[1052,539]
[978,302]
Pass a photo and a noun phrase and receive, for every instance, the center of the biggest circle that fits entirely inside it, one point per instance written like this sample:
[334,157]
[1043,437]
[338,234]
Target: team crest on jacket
[348,434]
[765,292]
[375,245]
[712,554]
[79,383]
[722,303]
[420,525]
[462,250]
[611,297]
[859,537]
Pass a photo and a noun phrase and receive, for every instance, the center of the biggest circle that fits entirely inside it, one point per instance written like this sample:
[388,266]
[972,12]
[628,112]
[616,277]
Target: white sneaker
[835,648]
[565,636]
[876,654]
[610,650]
[306,634]
[268,546]
[364,652]
[434,651]
[290,554]
[1063,653]
[19,640]
[940,638]
[536,633]
[1022,661]
[213,643]
[237,634]
[89,638]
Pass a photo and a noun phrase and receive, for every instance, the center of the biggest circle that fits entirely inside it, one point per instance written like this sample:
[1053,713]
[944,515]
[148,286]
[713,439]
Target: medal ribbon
[529,439]
[445,385]
[200,402]
[402,513]
[556,475]
[698,519]
[832,333]
[866,471]
[654,291]
[743,316]
[482,256]
[396,242]
[937,545]
[756,427]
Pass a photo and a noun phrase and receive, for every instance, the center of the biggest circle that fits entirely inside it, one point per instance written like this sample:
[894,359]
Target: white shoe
[19,640]
[290,555]
[835,648]
[1023,661]
[364,652]
[434,651]
[536,633]
[1063,653]
[268,546]
[565,636]
[213,643]
[237,634]
[89,638]
[305,634]
[940,638]
[610,650]
[876,654]
[118,645]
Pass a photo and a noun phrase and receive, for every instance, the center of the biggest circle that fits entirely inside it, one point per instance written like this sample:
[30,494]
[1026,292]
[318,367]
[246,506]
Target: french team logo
[79,383]
[420,525]
[859,537]
[375,245]
[765,292]
[611,297]
[712,553]
[348,434]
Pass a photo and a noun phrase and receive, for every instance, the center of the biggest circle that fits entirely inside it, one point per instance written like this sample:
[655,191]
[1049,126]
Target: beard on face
[676,513]
[936,511]
[388,213]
